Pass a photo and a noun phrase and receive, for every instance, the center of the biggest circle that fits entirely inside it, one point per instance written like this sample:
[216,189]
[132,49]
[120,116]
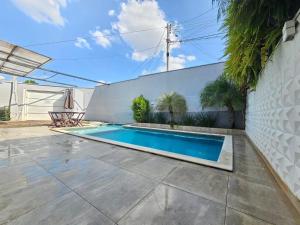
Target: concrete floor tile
[244,159]
[116,195]
[126,158]
[201,182]
[66,210]
[234,217]
[245,150]
[13,160]
[255,174]
[63,162]
[96,149]
[261,201]
[155,168]
[203,167]
[85,172]
[26,173]
[19,202]
[168,205]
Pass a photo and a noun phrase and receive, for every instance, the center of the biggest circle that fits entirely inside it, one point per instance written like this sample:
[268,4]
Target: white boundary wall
[81,96]
[273,113]
[5,89]
[112,102]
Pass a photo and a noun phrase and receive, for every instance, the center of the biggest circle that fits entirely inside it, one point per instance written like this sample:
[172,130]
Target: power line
[154,53]
[186,22]
[102,57]
[85,58]
[203,52]
[195,23]
[39,79]
[105,35]
[195,17]
[216,35]
[157,50]
[206,23]
[199,31]
[49,70]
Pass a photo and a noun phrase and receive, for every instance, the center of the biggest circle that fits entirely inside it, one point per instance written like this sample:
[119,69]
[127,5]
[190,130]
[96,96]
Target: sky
[113,40]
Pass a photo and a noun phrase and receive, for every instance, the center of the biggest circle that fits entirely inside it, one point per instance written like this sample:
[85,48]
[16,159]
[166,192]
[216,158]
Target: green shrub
[188,120]
[205,120]
[30,82]
[200,119]
[151,118]
[160,118]
[157,117]
[141,109]
[4,114]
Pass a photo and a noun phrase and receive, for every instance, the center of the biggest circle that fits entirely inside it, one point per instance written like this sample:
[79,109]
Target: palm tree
[222,93]
[253,29]
[172,103]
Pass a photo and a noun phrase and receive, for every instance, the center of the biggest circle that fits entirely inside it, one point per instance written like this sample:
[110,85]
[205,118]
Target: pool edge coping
[224,162]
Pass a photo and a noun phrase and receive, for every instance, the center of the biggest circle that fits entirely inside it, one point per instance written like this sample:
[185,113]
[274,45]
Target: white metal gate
[39,103]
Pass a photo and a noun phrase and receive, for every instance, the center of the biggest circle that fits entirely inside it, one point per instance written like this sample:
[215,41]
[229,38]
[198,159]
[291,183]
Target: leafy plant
[141,109]
[188,120]
[222,93]
[172,103]
[253,29]
[205,120]
[30,82]
[158,117]
[151,118]
[4,114]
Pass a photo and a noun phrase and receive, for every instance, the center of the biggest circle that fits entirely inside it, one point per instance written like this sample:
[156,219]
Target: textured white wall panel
[273,113]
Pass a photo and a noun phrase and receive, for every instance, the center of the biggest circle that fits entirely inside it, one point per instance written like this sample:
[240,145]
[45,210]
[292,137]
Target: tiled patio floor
[51,178]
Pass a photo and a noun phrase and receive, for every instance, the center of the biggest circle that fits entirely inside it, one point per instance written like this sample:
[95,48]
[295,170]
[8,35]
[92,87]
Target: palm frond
[253,30]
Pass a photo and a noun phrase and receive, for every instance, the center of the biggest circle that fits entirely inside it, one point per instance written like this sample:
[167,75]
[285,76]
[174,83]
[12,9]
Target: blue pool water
[199,146]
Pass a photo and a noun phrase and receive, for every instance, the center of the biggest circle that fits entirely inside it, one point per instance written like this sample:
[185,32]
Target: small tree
[30,82]
[173,103]
[141,109]
[222,93]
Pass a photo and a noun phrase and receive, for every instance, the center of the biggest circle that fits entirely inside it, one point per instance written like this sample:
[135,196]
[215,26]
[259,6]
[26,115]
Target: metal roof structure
[20,62]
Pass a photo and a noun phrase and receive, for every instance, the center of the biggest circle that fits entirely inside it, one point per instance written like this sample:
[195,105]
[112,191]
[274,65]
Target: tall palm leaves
[172,103]
[253,30]
[222,93]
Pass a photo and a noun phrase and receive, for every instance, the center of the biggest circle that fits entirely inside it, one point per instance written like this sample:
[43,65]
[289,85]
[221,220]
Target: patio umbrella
[69,101]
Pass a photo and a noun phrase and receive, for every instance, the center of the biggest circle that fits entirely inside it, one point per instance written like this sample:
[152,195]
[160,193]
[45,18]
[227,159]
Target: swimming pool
[194,147]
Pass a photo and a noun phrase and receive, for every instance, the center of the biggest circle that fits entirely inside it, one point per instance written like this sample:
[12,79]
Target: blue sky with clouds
[112,40]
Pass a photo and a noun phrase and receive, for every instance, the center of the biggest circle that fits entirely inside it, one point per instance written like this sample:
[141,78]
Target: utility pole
[168,44]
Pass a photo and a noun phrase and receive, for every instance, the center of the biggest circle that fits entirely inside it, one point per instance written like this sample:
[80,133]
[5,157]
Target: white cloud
[102,38]
[103,82]
[111,12]
[176,62]
[191,58]
[145,16]
[43,11]
[179,61]
[82,43]
[142,15]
